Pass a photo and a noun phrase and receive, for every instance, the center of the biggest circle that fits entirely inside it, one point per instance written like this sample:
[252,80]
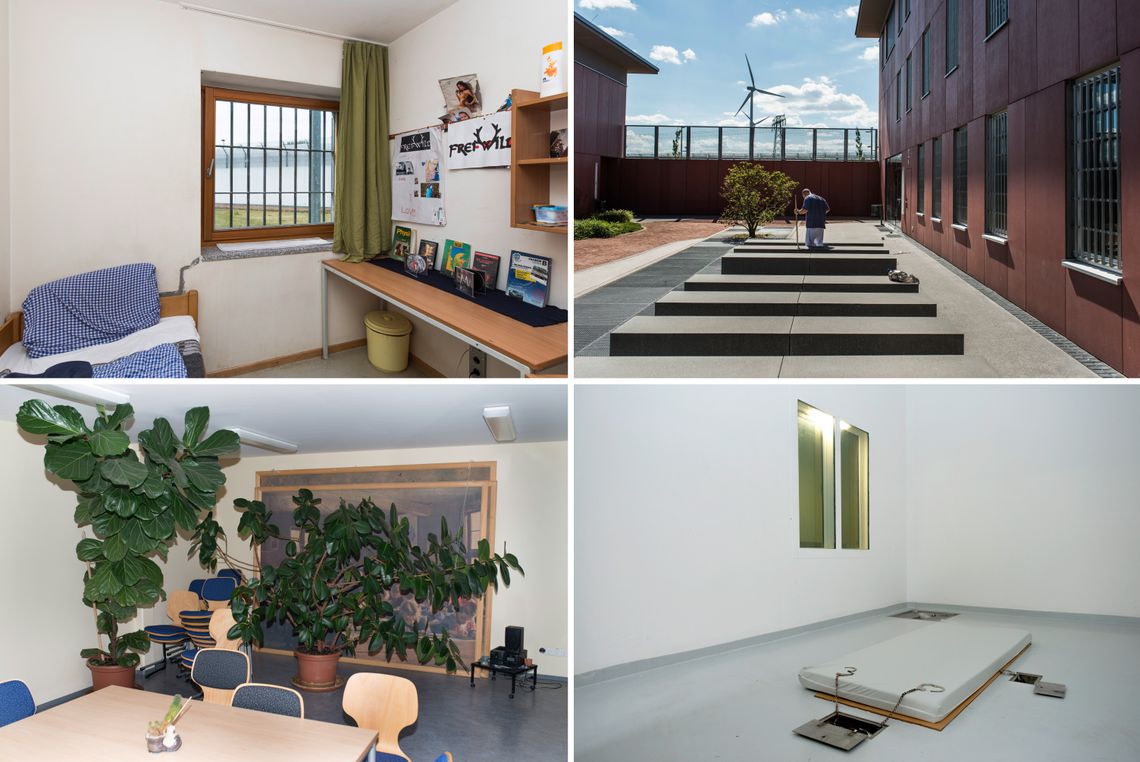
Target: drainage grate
[930,616]
[1024,677]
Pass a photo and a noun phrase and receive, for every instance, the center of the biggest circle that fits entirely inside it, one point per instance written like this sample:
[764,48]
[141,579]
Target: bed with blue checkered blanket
[110,320]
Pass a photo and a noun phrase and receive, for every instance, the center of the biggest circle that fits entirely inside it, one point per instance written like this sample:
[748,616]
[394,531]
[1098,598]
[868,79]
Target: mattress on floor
[959,656]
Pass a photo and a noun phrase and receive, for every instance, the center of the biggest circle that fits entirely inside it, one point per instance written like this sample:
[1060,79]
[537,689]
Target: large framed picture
[463,493]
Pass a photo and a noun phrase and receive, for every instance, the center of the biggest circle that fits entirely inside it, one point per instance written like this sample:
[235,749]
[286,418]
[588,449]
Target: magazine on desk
[529,278]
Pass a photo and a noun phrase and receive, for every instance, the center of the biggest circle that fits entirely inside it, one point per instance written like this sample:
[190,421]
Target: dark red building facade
[1010,146]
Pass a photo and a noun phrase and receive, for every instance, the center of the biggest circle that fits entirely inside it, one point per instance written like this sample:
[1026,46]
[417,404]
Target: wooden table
[523,347]
[111,724]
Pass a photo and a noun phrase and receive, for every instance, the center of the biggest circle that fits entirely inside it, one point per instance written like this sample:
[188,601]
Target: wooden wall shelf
[531,165]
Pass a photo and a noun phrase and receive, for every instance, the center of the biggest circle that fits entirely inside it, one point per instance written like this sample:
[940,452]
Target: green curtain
[363,204]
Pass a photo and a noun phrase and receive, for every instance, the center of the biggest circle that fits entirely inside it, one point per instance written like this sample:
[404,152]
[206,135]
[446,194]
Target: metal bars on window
[920,206]
[936,178]
[1096,169]
[898,95]
[273,165]
[997,175]
[997,13]
[961,173]
[926,61]
[908,84]
[951,35]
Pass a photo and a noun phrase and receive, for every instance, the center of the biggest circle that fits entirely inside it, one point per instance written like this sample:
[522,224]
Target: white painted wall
[501,43]
[531,517]
[106,115]
[1025,497]
[685,515]
[5,184]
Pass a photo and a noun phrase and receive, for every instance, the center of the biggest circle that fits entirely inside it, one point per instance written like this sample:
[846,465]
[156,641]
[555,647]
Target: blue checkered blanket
[89,309]
[163,361]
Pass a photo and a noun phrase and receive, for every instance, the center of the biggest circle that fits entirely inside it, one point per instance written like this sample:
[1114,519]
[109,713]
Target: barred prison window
[997,178]
[1096,169]
[997,13]
[951,35]
[961,172]
[921,205]
[936,178]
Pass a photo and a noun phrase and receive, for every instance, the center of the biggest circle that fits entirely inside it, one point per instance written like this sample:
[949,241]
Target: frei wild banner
[484,141]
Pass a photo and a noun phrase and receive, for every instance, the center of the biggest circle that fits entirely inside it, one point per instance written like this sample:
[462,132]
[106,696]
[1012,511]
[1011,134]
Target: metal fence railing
[649,141]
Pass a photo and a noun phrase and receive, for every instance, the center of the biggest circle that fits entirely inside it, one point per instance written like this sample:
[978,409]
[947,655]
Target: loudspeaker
[514,642]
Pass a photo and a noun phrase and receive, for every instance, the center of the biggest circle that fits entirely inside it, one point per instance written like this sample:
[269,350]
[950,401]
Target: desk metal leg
[324,313]
[372,753]
[534,681]
[513,675]
[472,675]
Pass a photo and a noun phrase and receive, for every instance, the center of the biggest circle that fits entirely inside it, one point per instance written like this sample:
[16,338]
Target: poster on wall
[481,142]
[417,177]
[461,98]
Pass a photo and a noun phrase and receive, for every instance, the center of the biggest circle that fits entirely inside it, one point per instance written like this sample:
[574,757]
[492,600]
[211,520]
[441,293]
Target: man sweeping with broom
[815,209]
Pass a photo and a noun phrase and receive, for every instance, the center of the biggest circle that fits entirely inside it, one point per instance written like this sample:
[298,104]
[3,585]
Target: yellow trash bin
[389,336]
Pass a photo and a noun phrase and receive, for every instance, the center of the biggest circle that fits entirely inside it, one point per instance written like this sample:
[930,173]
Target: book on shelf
[488,264]
[529,278]
[455,254]
[403,243]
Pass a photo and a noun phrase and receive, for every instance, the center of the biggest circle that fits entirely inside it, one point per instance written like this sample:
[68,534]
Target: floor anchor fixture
[1040,687]
[846,731]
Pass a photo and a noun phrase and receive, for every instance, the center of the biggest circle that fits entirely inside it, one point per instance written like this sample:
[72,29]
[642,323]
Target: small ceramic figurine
[170,740]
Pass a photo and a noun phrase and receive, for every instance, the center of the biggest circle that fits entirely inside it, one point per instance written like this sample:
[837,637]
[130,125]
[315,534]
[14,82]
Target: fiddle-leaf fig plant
[332,585]
[133,501]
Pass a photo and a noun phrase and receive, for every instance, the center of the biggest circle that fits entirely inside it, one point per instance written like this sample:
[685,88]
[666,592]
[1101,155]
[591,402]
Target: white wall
[5,184]
[685,517]
[501,43]
[45,621]
[1025,497]
[531,517]
[106,118]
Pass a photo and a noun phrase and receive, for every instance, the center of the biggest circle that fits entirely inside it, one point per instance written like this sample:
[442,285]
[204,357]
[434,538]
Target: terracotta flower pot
[103,676]
[317,672]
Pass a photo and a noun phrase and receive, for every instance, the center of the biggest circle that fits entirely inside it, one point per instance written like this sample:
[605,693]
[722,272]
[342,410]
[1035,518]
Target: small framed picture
[465,280]
[559,144]
[423,260]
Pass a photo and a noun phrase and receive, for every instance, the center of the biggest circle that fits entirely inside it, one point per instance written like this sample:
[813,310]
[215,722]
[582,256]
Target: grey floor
[743,704]
[351,363]
[997,344]
[476,724]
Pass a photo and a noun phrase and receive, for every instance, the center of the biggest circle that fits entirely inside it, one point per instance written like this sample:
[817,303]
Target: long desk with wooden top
[525,348]
[109,725]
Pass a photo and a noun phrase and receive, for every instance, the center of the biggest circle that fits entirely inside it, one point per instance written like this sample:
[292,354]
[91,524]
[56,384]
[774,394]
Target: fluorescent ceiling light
[500,423]
[254,439]
[84,394]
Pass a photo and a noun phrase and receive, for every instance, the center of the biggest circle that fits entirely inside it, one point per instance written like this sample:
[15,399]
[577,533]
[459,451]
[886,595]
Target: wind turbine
[750,101]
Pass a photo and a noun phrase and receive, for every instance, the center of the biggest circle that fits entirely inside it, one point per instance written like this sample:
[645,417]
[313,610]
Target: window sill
[996,239]
[925,95]
[1000,27]
[956,226]
[211,253]
[936,219]
[952,70]
[919,214]
[1100,273]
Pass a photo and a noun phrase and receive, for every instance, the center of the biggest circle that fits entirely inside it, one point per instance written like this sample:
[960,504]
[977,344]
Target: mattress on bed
[180,331]
[959,656]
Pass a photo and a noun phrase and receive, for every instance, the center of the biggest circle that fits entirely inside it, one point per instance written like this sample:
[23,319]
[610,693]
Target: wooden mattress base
[941,724]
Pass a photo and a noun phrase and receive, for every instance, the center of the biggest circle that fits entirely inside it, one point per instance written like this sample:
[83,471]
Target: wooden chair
[218,671]
[171,635]
[274,699]
[220,624]
[384,703]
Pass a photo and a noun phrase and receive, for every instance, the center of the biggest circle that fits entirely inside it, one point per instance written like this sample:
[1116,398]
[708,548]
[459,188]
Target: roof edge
[872,16]
[637,63]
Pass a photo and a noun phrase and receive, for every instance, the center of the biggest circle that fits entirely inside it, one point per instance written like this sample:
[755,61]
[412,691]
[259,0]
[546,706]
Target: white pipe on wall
[277,24]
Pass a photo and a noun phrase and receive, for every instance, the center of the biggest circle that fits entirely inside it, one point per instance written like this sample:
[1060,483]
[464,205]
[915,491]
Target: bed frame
[12,329]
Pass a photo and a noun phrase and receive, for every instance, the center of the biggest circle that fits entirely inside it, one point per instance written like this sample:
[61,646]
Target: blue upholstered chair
[15,702]
[269,698]
[234,573]
[171,636]
[445,757]
[218,671]
[216,592]
[196,586]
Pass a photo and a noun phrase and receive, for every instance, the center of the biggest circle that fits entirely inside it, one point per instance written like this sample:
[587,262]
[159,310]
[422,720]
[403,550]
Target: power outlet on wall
[553,651]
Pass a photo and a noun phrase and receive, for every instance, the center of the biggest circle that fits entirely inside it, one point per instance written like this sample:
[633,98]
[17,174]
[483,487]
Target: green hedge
[615,215]
[595,227]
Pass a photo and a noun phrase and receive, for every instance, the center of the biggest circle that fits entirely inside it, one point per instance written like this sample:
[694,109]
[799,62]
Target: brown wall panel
[1022,34]
[1097,33]
[1045,206]
[1092,316]
[1058,41]
[1015,279]
[1130,222]
[976,204]
[1127,26]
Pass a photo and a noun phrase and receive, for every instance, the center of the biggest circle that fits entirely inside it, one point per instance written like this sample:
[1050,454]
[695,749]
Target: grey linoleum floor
[743,705]
[479,724]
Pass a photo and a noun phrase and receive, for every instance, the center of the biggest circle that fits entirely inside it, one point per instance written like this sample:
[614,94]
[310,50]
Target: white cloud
[601,5]
[689,55]
[612,32]
[817,102]
[870,54]
[665,54]
[767,19]
[804,15]
[651,119]
[850,12]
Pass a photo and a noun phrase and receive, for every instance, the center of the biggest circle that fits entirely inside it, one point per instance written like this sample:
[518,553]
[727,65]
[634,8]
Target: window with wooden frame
[267,166]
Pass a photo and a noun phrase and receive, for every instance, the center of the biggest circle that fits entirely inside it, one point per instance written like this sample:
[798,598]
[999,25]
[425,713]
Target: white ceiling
[377,20]
[340,417]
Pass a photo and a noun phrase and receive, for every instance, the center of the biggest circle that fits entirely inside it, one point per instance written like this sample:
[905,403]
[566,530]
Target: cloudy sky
[806,51]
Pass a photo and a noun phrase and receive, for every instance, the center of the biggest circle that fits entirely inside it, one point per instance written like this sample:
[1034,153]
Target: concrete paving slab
[886,366]
[728,303]
[820,303]
[701,336]
[677,367]
[874,336]
[864,283]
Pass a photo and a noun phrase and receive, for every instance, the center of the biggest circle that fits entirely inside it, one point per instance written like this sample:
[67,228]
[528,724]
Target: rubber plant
[134,502]
[332,585]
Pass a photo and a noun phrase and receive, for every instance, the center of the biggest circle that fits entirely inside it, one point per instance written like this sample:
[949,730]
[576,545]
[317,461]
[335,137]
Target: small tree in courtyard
[753,196]
[858,144]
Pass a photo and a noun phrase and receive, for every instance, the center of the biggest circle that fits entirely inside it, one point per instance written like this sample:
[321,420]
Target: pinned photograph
[461,98]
